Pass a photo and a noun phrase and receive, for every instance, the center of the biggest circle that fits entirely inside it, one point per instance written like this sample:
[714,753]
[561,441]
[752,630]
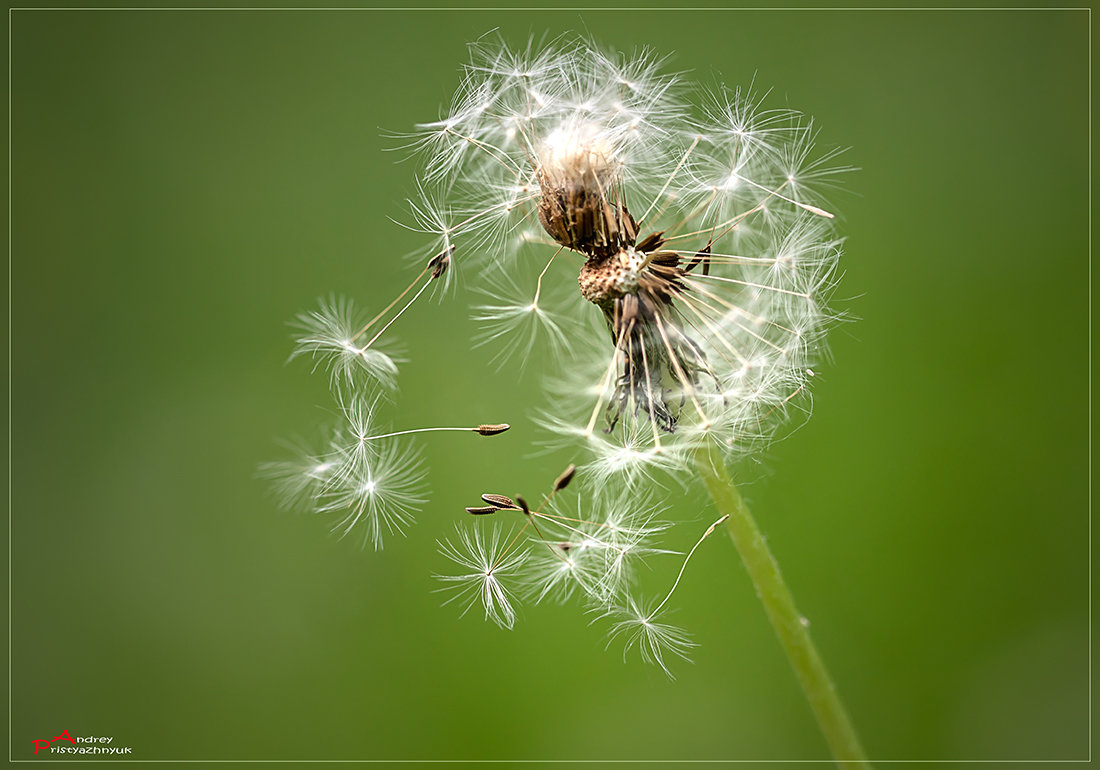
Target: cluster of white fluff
[363,478]
[585,547]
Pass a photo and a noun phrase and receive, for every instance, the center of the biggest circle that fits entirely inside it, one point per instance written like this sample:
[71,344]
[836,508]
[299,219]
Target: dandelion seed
[376,491]
[590,550]
[486,564]
[626,457]
[562,481]
[297,482]
[328,335]
[516,321]
[636,627]
[641,626]
[500,501]
[366,477]
[562,570]
[378,496]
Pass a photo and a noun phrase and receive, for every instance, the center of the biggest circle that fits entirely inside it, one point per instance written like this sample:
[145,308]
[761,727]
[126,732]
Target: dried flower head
[696,233]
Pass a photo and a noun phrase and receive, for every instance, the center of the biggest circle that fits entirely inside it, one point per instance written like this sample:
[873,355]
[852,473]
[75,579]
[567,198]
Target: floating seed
[500,501]
[441,261]
[566,476]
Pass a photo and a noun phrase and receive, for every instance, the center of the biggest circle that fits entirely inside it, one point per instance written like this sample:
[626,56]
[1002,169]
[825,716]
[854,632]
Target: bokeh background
[184,183]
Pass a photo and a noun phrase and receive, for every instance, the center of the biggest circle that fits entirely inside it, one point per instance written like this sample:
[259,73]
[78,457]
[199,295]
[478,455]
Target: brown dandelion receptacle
[633,282]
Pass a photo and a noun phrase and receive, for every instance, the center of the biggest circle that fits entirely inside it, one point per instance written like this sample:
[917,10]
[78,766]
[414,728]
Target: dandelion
[378,497]
[677,259]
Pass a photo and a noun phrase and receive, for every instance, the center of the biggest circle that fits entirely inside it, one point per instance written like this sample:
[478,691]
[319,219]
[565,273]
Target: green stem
[784,616]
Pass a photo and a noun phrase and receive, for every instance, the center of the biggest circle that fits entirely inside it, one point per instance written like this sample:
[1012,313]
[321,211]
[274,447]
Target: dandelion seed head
[705,248]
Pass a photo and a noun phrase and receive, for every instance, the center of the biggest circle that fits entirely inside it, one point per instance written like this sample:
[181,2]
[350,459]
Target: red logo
[40,744]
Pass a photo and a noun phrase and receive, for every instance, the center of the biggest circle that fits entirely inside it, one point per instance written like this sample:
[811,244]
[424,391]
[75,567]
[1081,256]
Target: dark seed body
[576,212]
[500,501]
[566,476]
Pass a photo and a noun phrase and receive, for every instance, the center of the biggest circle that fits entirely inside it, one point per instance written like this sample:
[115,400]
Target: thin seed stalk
[784,616]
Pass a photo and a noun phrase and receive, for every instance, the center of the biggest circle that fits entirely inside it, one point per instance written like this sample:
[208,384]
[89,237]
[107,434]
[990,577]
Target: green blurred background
[184,183]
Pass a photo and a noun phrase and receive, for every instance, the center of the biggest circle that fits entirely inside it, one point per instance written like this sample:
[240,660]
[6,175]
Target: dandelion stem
[511,543]
[416,430]
[606,380]
[806,206]
[389,307]
[538,286]
[789,625]
[671,176]
[399,314]
[683,566]
[493,152]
